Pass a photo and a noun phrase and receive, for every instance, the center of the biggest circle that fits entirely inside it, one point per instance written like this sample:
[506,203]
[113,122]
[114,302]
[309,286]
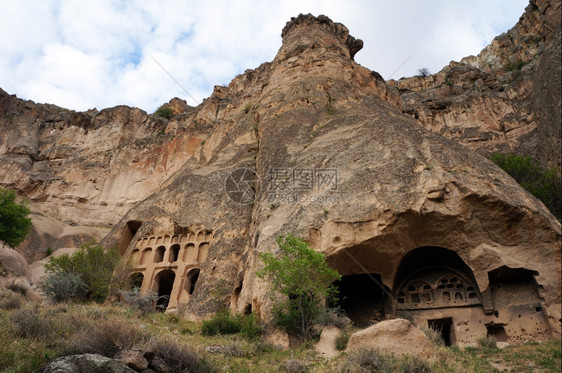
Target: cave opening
[165,283]
[445,327]
[127,234]
[135,280]
[497,331]
[361,298]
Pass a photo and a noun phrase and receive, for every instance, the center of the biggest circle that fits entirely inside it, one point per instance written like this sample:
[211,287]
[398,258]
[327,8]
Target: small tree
[164,111]
[91,264]
[424,71]
[14,223]
[302,276]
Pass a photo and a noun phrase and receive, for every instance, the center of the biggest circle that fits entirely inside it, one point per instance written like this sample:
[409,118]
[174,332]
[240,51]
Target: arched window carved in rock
[145,257]
[203,252]
[135,256]
[436,287]
[174,253]
[191,280]
[159,254]
[135,280]
[190,253]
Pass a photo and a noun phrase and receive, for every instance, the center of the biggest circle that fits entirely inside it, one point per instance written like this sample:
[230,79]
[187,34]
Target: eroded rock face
[315,145]
[90,168]
[504,100]
[335,161]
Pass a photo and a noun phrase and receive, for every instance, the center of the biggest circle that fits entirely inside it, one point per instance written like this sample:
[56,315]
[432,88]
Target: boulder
[14,262]
[326,346]
[87,363]
[133,358]
[392,336]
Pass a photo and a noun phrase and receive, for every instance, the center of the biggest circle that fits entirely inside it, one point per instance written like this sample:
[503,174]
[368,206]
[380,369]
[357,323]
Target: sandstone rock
[87,363]
[326,346]
[315,145]
[133,358]
[392,337]
[506,99]
[14,262]
[159,365]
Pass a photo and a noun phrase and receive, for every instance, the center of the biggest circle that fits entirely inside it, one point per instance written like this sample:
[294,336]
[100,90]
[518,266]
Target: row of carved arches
[163,284]
[189,253]
[449,290]
[198,237]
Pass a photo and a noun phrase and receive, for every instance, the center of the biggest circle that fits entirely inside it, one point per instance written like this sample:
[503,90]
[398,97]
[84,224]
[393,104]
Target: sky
[96,54]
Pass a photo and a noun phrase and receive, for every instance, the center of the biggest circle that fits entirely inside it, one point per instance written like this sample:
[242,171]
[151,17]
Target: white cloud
[95,54]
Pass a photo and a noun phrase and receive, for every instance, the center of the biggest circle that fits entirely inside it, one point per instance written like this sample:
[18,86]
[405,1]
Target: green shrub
[251,327]
[341,340]
[14,221]
[224,322]
[302,277]
[164,111]
[90,263]
[63,286]
[545,185]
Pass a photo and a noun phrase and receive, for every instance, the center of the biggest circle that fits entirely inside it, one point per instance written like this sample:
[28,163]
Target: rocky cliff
[315,145]
[506,99]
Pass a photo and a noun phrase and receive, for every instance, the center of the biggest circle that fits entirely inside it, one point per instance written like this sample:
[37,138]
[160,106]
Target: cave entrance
[127,234]
[445,327]
[361,298]
[497,331]
[164,284]
[135,280]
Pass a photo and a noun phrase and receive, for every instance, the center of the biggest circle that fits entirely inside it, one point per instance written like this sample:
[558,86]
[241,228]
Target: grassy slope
[58,334]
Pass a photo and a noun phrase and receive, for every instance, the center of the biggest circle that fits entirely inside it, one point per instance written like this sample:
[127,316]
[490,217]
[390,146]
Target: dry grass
[31,337]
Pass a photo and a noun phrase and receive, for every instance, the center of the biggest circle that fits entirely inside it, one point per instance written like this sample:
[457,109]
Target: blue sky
[82,55]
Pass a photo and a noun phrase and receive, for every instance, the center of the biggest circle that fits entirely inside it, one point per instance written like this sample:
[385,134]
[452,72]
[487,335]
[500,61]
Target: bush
[545,185]
[423,72]
[29,323]
[143,303]
[105,337]
[164,111]
[368,360]
[251,327]
[414,364]
[293,366]
[180,358]
[11,300]
[63,286]
[90,263]
[303,278]
[487,342]
[14,223]
[224,322]
[341,340]
[434,336]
